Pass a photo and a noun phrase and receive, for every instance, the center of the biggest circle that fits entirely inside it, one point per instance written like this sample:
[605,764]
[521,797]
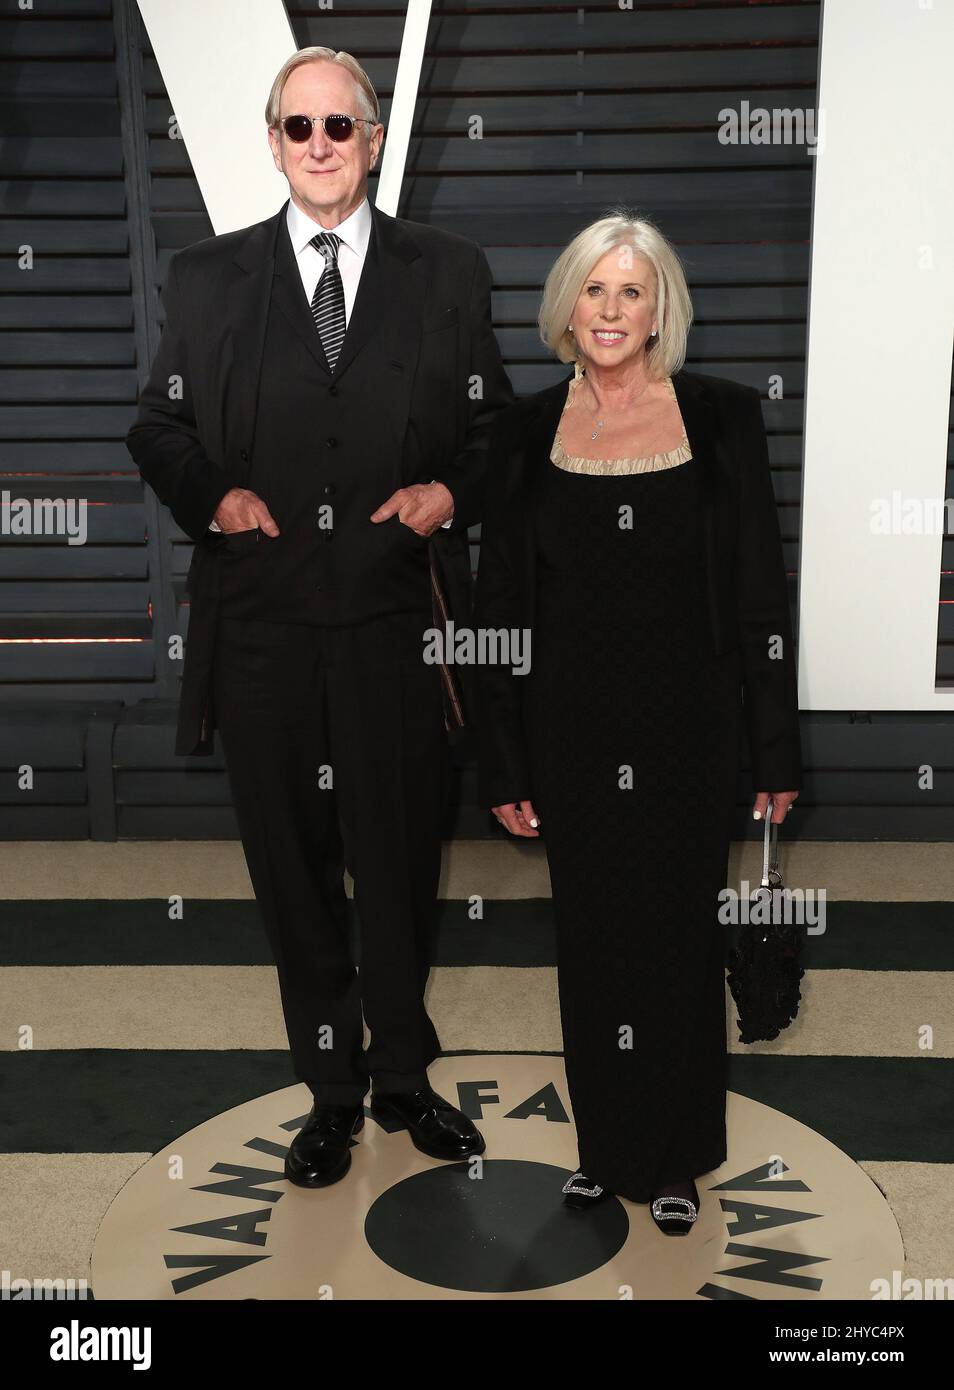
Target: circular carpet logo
[787,1216]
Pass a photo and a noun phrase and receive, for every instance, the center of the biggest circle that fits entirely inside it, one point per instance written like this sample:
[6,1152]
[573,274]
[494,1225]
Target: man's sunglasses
[337,128]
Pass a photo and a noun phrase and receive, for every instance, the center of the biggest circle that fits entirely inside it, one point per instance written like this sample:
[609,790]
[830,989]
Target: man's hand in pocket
[242,510]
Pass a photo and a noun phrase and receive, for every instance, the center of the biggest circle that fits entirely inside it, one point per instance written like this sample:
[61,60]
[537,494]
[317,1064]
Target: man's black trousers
[337,756]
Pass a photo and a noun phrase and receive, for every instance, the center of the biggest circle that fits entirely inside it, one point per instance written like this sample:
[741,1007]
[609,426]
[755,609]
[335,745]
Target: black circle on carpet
[503,1232]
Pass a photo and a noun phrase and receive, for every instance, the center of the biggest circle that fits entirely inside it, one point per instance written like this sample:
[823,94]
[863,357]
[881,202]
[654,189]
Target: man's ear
[275,146]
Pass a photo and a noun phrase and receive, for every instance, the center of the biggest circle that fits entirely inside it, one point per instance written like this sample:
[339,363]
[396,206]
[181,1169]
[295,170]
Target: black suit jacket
[746,582]
[421,335]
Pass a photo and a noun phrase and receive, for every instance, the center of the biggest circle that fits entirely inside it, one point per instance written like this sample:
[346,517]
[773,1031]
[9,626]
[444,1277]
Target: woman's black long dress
[623,676]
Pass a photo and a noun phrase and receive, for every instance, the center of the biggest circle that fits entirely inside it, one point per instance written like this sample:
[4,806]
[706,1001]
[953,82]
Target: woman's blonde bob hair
[621,229]
[367,96]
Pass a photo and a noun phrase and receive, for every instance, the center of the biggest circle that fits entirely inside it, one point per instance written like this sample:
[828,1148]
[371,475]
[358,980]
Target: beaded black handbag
[765,964]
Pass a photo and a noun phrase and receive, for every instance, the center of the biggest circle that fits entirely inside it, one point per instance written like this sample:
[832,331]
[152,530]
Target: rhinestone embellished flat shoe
[675,1216]
[581,1192]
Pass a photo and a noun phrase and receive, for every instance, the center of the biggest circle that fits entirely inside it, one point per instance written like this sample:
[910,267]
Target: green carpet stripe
[518,932]
[110,1101]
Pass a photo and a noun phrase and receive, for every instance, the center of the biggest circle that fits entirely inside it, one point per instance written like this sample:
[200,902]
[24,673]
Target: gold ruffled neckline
[649,463]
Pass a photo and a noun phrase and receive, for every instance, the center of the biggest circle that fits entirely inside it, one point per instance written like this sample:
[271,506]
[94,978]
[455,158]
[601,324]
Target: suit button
[332,390]
[244,456]
[331,441]
[328,489]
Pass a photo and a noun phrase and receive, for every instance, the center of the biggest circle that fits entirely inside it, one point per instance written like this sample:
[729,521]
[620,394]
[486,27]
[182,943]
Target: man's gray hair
[366,95]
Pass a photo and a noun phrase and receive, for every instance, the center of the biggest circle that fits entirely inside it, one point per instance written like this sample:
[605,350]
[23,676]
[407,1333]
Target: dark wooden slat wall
[583,106]
[76,622]
[68,380]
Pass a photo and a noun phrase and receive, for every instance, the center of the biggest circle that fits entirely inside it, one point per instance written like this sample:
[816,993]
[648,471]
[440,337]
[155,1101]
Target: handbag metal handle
[771,878]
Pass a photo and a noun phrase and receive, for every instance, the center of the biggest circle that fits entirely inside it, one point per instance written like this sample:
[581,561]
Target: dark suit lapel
[288,295]
[245,315]
[388,297]
[390,294]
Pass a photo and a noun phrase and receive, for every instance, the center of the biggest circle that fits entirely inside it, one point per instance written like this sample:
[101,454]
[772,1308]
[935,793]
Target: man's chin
[314,181]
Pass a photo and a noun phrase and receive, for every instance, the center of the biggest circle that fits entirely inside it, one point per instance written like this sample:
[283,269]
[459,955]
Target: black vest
[325,456]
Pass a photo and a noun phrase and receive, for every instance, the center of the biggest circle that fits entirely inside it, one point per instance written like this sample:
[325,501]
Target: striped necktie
[328,302]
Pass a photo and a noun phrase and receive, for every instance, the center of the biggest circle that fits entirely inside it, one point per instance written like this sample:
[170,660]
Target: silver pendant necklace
[601,423]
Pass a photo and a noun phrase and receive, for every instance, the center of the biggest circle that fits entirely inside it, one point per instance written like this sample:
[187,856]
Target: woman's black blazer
[747,588]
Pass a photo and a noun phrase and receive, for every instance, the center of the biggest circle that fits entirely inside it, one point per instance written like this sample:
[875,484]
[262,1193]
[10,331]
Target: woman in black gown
[630,527]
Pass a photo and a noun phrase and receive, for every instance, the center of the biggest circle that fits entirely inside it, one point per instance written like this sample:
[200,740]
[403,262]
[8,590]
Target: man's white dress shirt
[355,233]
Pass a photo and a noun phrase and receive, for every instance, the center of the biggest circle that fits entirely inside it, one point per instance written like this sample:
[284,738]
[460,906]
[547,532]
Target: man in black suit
[320,406]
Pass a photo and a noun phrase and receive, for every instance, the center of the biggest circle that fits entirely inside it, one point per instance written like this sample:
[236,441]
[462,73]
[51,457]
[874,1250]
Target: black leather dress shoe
[435,1127]
[320,1153]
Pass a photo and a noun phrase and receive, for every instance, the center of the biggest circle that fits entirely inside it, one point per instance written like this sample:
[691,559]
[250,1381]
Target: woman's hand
[781,805]
[519,817]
